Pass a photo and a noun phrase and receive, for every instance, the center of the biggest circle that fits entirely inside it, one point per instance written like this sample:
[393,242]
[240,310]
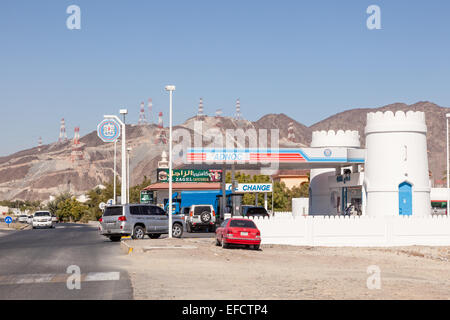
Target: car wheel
[256,247]
[115,238]
[205,217]
[177,230]
[154,235]
[138,232]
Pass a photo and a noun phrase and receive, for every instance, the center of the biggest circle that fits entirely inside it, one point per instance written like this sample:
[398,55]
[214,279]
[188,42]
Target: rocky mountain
[36,174]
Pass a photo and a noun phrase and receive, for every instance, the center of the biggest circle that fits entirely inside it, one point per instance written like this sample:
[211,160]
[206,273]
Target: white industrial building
[394,179]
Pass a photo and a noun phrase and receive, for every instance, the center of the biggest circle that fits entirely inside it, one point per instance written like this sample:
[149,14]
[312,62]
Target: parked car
[42,219]
[255,211]
[236,231]
[201,216]
[55,218]
[138,220]
[439,207]
[30,219]
[22,218]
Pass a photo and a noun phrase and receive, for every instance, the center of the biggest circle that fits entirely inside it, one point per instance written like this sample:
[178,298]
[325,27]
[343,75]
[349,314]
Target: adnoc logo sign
[227,156]
[108,130]
[251,187]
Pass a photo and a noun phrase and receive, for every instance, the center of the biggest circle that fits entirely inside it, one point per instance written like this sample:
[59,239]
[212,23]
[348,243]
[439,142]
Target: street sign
[146,196]
[108,130]
[102,206]
[251,187]
[8,220]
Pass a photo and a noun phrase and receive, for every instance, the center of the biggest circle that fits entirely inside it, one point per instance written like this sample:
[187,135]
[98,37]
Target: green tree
[52,206]
[70,210]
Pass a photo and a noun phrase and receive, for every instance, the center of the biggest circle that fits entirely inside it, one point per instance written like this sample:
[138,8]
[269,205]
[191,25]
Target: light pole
[128,173]
[171,89]
[448,166]
[123,192]
[115,168]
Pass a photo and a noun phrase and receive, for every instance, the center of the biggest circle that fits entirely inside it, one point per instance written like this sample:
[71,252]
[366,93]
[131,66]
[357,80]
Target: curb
[125,247]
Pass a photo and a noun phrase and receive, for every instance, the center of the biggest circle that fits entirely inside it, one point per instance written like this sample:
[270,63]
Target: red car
[238,231]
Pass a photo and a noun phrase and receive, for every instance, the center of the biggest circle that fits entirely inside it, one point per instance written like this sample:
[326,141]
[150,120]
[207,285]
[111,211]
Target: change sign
[251,187]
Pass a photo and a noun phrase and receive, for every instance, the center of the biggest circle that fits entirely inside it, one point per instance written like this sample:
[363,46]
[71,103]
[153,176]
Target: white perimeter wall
[354,231]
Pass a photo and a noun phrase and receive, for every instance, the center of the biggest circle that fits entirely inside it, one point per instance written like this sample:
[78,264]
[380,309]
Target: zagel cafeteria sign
[190,175]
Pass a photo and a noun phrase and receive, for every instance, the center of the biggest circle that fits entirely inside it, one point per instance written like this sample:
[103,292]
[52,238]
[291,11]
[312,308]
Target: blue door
[405,199]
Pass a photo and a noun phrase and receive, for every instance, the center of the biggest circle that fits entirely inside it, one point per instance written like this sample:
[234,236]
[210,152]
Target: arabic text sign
[190,175]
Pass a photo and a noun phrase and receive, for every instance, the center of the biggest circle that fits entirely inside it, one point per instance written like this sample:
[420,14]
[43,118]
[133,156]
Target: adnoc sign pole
[123,193]
[108,130]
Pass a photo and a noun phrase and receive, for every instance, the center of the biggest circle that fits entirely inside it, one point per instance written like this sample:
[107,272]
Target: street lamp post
[123,192]
[115,168]
[448,166]
[128,173]
[171,89]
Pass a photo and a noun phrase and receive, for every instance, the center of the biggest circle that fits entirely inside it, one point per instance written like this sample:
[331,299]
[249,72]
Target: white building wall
[396,152]
[334,231]
[320,192]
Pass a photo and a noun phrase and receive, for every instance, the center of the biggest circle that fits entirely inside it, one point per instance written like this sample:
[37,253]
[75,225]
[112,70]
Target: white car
[42,219]
[22,218]
[30,219]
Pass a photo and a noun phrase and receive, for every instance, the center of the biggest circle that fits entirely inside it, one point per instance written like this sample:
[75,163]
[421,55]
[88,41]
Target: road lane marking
[57,278]
[102,276]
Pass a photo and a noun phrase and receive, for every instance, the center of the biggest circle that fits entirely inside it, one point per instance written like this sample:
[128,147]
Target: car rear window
[42,214]
[113,211]
[257,211]
[242,224]
[201,209]
[140,210]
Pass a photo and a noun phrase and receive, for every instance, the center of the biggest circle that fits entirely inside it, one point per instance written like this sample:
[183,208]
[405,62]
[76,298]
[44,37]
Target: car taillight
[214,214]
[191,213]
[100,220]
[122,218]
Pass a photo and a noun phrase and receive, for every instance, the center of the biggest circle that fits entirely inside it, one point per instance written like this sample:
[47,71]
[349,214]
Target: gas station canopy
[287,158]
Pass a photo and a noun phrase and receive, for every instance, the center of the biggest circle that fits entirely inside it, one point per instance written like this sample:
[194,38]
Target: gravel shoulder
[200,270]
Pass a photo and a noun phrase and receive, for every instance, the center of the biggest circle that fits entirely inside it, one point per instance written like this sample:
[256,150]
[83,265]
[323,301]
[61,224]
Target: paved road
[33,264]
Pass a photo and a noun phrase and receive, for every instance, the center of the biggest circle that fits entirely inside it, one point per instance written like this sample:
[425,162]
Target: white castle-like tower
[396,166]
[319,193]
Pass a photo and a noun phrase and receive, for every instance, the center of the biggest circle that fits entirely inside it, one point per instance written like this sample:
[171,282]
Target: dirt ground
[284,272]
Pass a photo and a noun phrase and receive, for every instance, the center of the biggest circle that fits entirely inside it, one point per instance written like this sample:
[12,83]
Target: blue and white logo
[108,130]
[8,220]
[327,153]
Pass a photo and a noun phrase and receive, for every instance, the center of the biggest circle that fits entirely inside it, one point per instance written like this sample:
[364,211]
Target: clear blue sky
[308,59]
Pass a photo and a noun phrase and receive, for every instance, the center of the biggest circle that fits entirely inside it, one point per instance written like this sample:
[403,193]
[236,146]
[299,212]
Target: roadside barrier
[354,231]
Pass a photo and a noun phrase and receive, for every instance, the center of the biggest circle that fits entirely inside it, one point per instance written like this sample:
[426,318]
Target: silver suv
[201,216]
[138,220]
